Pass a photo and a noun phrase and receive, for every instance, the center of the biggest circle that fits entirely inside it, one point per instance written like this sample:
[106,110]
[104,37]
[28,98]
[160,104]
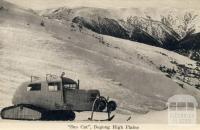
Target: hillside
[123,70]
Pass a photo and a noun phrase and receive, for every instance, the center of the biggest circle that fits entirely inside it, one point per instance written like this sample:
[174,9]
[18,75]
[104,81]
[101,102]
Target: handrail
[34,78]
[50,77]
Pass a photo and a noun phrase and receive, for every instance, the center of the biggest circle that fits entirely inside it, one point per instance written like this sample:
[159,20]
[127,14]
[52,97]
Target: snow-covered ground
[123,70]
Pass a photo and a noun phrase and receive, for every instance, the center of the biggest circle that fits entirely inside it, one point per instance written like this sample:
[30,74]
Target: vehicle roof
[65,80]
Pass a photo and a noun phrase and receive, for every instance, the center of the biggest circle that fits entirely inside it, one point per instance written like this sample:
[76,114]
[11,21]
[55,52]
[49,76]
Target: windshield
[70,86]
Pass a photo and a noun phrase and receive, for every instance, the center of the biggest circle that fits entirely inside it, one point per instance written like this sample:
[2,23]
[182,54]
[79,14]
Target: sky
[44,4]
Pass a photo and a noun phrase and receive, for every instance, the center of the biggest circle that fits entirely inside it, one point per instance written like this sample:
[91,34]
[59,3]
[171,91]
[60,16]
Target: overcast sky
[44,4]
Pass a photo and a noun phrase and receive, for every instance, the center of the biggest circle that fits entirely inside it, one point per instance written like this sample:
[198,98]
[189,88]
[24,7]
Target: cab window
[93,96]
[54,86]
[34,87]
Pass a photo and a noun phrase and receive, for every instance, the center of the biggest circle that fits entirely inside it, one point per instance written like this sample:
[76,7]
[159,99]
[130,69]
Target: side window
[34,87]
[54,86]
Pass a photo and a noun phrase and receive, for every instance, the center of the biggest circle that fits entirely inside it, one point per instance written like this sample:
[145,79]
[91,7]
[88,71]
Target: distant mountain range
[142,30]
[134,28]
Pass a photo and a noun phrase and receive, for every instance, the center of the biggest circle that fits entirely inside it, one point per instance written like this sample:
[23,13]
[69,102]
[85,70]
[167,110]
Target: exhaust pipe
[78,83]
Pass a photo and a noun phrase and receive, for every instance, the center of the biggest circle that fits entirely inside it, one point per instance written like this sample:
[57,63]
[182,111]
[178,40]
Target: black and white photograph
[99,64]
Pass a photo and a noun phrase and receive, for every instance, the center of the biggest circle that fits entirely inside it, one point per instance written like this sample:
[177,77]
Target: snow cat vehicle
[55,99]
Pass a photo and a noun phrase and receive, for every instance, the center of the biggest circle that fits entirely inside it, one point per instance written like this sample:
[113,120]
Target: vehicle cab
[55,94]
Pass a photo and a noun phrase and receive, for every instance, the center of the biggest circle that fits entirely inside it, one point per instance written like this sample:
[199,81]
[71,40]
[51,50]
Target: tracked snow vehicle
[55,99]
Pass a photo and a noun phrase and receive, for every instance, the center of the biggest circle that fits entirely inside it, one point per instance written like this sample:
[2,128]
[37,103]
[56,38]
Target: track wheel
[111,106]
[71,115]
[100,104]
